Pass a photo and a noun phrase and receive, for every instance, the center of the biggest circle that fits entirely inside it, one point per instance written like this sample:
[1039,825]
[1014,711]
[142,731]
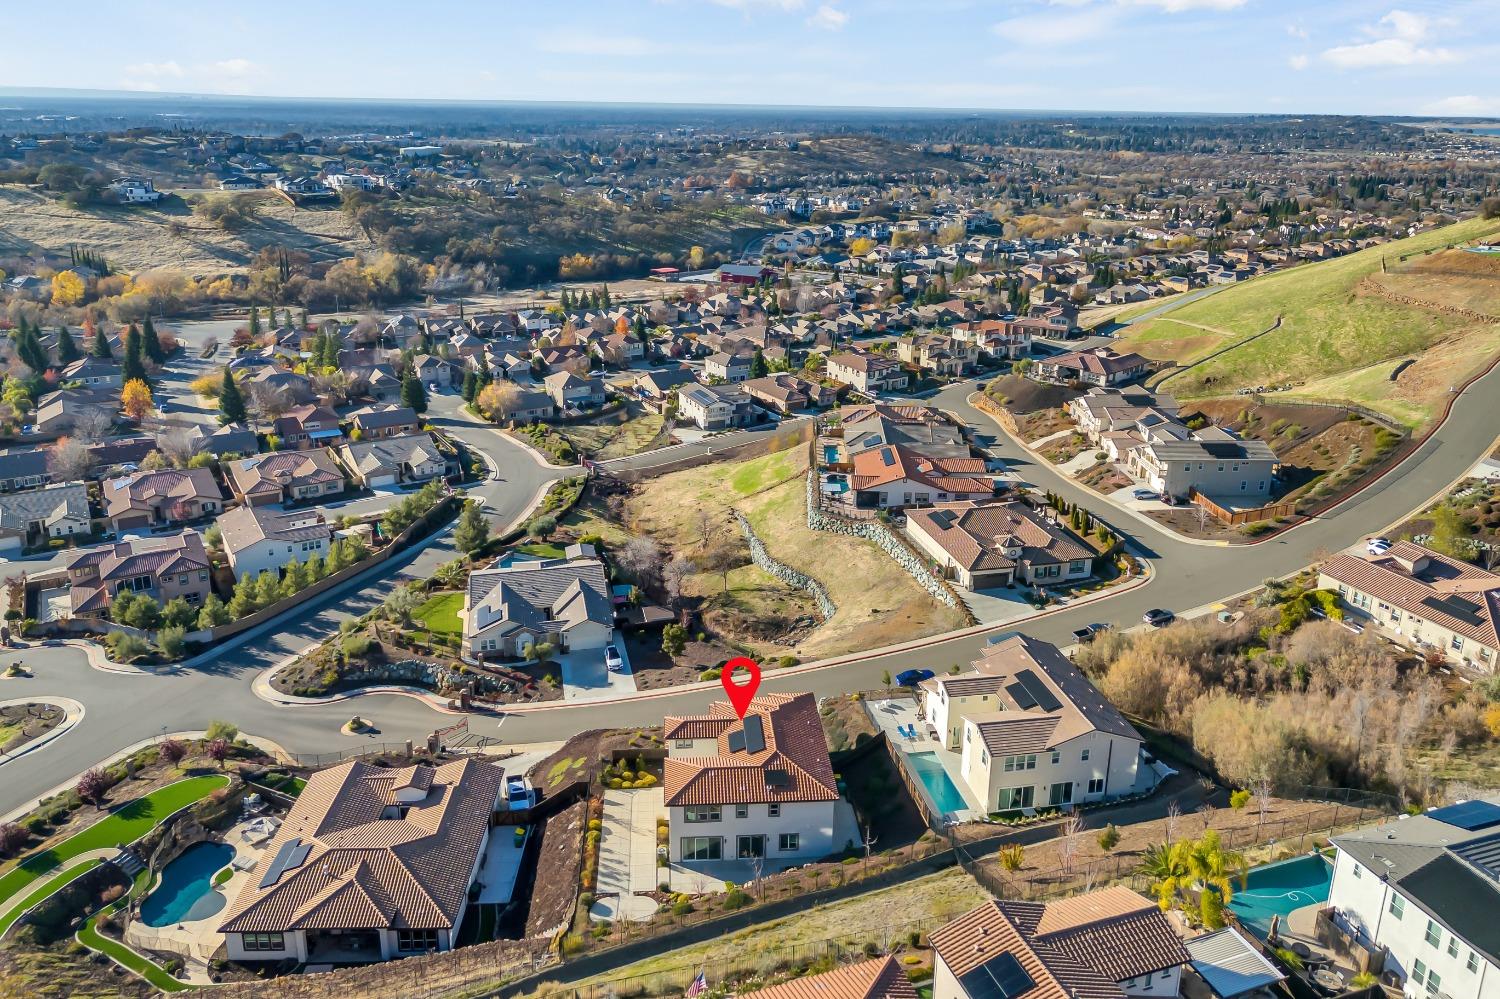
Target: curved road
[124,709]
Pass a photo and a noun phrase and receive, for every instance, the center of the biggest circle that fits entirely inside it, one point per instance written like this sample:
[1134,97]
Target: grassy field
[440,614]
[1338,319]
[614,440]
[126,824]
[878,603]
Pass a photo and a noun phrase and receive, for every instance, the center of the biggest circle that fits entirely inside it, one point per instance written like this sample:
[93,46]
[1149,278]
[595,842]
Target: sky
[1396,57]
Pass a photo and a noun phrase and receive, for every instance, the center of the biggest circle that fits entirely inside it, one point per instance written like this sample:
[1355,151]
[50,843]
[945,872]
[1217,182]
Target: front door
[752,847]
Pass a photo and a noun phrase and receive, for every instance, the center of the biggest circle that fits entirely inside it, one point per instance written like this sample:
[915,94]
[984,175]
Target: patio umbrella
[1275,925]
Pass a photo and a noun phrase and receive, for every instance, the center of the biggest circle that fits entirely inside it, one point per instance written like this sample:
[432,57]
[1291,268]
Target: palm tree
[1167,866]
[1216,867]
[1202,864]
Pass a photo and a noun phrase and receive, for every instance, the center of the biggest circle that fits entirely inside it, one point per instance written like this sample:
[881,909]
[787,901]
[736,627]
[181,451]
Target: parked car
[912,677]
[1378,546]
[612,660]
[1158,618]
[1089,632]
[1145,494]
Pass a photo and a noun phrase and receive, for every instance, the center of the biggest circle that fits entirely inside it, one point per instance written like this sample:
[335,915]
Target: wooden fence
[1234,518]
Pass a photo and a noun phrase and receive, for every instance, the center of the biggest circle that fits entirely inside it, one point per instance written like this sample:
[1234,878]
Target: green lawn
[46,890]
[541,549]
[759,473]
[440,614]
[89,936]
[125,824]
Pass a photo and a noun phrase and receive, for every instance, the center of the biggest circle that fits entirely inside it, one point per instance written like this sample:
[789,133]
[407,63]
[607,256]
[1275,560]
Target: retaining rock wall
[783,572]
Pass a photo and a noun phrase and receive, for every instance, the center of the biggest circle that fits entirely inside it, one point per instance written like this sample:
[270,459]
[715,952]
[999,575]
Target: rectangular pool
[1277,889]
[935,779]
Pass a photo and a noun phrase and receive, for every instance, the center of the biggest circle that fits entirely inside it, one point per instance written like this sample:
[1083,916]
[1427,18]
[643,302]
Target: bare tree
[674,575]
[91,424]
[726,555]
[268,402]
[69,460]
[642,557]
[1067,844]
[1174,812]
[177,446]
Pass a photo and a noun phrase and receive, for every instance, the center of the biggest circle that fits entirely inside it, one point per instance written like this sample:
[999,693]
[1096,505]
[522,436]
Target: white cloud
[155,69]
[1179,6]
[623,46]
[748,5]
[1057,29]
[236,67]
[1298,62]
[1297,31]
[828,17]
[1396,40]
[1466,104]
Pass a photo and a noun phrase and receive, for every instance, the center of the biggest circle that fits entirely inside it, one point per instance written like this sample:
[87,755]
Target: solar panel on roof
[281,862]
[1001,977]
[778,779]
[1020,695]
[1470,815]
[887,456]
[755,736]
[1038,690]
[737,741]
[1457,607]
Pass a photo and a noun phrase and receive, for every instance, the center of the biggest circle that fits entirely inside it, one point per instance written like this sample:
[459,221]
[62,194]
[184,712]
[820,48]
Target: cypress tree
[413,395]
[471,386]
[151,343]
[254,327]
[133,366]
[101,345]
[231,401]
[67,347]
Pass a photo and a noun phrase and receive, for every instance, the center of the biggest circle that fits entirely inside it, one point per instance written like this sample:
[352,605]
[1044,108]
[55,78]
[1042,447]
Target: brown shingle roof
[365,871]
[877,978]
[794,743]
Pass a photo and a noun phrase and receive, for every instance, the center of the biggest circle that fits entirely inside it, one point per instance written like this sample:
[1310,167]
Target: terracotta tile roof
[364,871]
[695,728]
[877,978]
[794,744]
[1463,598]
[978,535]
[893,463]
[1076,948]
[269,474]
[146,490]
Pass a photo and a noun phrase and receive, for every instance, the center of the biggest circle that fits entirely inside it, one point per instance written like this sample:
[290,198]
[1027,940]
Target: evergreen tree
[604,297]
[413,395]
[471,385]
[101,345]
[254,327]
[67,347]
[29,348]
[758,366]
[473,530]
[639,328]
[134,366]
[151,343]
[231,401]
[485,376]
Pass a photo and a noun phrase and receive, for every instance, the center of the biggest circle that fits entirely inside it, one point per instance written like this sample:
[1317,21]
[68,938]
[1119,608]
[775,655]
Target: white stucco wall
[811,820]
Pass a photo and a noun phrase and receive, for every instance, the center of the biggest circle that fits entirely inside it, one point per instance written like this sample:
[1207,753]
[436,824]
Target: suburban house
[258,539]
[927,432]
[94,372]
[1032,731]
[729,367]
[1419,894]
[1096,366]
[23,469]
[940,354]
[397,461]
[564,602]
[867,372]
[894,476]
[570,390]
[284,476]
[1106,943]
[134,190]
[33,516]
[786,393]
[433,372]
[64,411]
[384,420]
[659,387]
[567,358]
[303,427]
[1212,461]
[166,496]
[1421,598]
[1101,411]
[161,568]
[715,407]
[231,438]
[290,387]
[876,978]
[984,545]
[999,338]
[370,863]
[761,789]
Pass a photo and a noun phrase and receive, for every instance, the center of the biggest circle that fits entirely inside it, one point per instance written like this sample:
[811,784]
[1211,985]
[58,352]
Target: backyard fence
[1234,518]
[785,438]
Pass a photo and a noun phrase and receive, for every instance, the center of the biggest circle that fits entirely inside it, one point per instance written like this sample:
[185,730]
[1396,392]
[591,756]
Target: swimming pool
[830,453]
[1277,889]
[939,786]
[186,888]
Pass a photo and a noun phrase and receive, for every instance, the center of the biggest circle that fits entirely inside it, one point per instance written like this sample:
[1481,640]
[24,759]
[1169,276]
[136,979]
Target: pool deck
[898,712]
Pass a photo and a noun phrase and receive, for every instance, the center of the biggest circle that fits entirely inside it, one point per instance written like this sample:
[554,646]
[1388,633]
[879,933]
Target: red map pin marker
[740,694]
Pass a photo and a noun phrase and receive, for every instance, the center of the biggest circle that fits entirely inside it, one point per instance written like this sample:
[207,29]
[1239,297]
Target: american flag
[699,986]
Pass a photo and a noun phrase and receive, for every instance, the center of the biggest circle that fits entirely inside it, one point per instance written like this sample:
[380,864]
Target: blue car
[912,677]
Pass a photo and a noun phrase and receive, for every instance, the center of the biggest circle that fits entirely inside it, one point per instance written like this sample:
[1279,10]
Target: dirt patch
[846,724]
[21,723]
[1105,478]
[1186,521]
[1038,408]
[559,860]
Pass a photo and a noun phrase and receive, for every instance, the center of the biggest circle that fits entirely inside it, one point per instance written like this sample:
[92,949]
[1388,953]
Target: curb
[73,713]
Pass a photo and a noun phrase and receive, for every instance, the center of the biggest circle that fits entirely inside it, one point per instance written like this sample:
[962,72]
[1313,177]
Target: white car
[1378,546]
[612,660]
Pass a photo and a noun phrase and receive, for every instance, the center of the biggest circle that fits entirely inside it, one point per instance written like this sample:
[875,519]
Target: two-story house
[867,372]
[571,391]
[304,427]
[258,539]
[727,367]
[161,568]
[166,496]
[715,407]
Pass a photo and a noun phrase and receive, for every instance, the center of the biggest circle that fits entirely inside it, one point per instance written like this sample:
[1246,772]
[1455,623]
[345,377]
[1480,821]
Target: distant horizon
[148,96]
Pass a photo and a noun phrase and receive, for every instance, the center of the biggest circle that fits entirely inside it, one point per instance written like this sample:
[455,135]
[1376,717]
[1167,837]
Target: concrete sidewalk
[627,855]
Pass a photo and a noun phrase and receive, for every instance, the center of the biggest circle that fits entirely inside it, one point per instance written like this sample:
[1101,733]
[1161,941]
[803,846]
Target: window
[1096,785]
[1453,946]
[416,940]
[1418,971]
[1357,873]
[1433,981]
[701,813]
[263,941]
[984,756]
[774,809]
[1472,964]
[789,842]
[1434,935]
[702,848]
[1084,756]
[683,743]
[742,811]
[1457,643]
[1056,757]
[1026,761]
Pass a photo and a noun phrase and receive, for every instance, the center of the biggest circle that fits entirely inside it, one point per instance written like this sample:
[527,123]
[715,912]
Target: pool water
[1277,889]
[935,779]
[186,889]
[830,454]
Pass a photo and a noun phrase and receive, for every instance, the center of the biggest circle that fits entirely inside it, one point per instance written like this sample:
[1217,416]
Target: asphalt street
[122,710]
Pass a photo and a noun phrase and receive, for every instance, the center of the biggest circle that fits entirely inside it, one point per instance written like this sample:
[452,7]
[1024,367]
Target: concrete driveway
[586,679]
[627,855]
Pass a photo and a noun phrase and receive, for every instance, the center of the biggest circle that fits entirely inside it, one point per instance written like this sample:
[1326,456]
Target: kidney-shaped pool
[186,891]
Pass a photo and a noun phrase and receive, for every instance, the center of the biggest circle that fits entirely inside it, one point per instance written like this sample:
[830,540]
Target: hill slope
[1345,325]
